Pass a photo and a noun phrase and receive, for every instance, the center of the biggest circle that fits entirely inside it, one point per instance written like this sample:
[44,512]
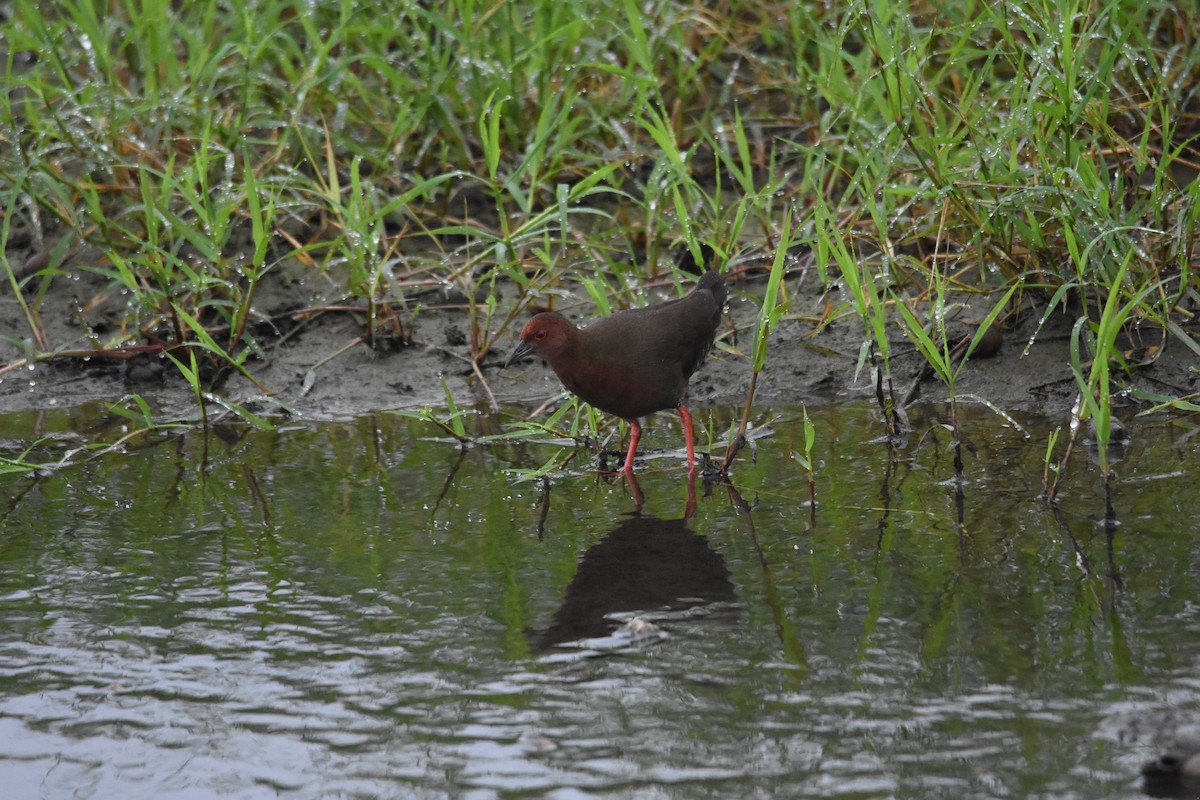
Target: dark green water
[350,610]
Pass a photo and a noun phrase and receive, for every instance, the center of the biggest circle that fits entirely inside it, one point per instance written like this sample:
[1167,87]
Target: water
[354,610]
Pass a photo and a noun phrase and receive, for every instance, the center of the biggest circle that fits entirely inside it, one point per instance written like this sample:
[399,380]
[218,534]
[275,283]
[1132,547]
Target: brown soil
[801,366]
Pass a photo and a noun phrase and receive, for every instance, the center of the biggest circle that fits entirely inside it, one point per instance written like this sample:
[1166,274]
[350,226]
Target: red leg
[686,416]
[635,433]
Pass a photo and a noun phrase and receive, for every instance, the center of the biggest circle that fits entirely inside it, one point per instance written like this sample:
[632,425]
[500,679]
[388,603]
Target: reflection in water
[1176,773]
[643,564]
[344,610]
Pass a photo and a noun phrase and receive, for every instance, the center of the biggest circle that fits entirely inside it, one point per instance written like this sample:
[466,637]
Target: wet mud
[315,365]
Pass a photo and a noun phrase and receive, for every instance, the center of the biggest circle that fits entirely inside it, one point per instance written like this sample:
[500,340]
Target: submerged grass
[1014,159]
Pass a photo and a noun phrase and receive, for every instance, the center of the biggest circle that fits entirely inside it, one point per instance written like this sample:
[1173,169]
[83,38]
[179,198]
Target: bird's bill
[523,349]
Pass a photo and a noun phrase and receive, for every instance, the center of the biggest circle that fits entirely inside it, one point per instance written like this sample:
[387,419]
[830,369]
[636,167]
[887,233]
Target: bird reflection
[1176,773]
[643,564]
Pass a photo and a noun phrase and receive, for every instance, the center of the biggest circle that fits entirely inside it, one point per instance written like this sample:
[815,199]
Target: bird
[634,362]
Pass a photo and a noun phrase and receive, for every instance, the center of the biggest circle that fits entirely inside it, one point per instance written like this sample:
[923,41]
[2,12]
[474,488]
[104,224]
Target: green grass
[926,153]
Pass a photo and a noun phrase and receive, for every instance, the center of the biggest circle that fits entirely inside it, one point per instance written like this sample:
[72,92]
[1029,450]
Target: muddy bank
[315,371]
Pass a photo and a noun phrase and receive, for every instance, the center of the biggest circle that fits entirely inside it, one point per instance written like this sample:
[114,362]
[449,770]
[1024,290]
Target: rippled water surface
[355,610]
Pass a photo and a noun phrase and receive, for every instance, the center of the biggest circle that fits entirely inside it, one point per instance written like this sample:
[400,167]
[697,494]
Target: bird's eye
[540,335]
